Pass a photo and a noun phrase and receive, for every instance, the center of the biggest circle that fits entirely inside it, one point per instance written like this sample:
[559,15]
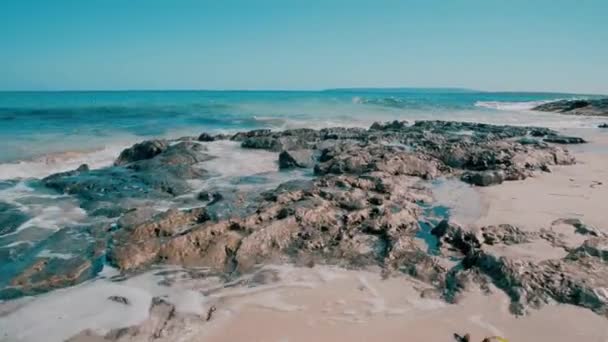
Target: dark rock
[604,125]
[454,236]
[597,107]
[164,175]
[206,137]
[503,234]
[485,178]
[141,151]
[296,158]
[391,126]
[561,139]
[210,196]
[83,168]
[251,134]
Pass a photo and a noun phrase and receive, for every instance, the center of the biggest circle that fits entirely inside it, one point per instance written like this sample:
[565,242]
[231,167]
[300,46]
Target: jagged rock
[164,175]
[390,126]
[504,234]
[357,159]
[297,158]
[455,237]
[573,280]
[141,151]
[595,247]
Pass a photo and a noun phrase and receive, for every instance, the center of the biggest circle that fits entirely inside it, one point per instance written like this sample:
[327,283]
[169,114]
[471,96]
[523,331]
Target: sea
[46,132]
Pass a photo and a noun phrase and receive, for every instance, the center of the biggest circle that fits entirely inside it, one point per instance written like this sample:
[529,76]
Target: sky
[516,45]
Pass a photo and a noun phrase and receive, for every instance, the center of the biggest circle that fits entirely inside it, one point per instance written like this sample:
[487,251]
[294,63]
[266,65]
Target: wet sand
[359,306]
[578,191]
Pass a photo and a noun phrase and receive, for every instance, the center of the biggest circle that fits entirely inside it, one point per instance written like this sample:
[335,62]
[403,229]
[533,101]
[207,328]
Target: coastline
[327,303]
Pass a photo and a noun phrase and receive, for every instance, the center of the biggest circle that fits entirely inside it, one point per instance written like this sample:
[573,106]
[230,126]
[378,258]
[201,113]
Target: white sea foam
[87,306]
[45,210]
[60,162]
[503,105]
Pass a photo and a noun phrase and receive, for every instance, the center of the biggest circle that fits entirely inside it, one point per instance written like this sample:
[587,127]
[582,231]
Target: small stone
[120,299]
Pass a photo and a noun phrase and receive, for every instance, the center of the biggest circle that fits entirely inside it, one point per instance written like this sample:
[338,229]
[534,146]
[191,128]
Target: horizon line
[336,89]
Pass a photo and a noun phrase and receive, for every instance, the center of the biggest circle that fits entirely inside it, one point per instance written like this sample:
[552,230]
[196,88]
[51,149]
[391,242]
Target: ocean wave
[515,106]
[391,101]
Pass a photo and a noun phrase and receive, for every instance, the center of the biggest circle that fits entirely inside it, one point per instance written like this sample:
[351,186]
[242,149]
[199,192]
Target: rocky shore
[366,204]
[596,107]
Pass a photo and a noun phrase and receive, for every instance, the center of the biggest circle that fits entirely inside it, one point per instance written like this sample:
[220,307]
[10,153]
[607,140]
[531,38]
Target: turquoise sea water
[52,128]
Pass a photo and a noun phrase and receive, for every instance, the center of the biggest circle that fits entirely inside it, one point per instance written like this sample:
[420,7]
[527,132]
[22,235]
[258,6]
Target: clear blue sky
[228,44]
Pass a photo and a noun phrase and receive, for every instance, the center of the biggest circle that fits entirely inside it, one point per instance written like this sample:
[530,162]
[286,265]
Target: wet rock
[485,178]
[561,139]
[206,137]
[604,125]
[296,159]
[577,107]
[572,280]
[163,176]
[210,196]
[455,237]
[503,234]
[141,151]
[359,159]
[595,248]
[389,126]
[83,168]
[138,245]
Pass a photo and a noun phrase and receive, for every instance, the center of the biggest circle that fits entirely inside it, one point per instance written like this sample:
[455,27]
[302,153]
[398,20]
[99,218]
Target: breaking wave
[514,106]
